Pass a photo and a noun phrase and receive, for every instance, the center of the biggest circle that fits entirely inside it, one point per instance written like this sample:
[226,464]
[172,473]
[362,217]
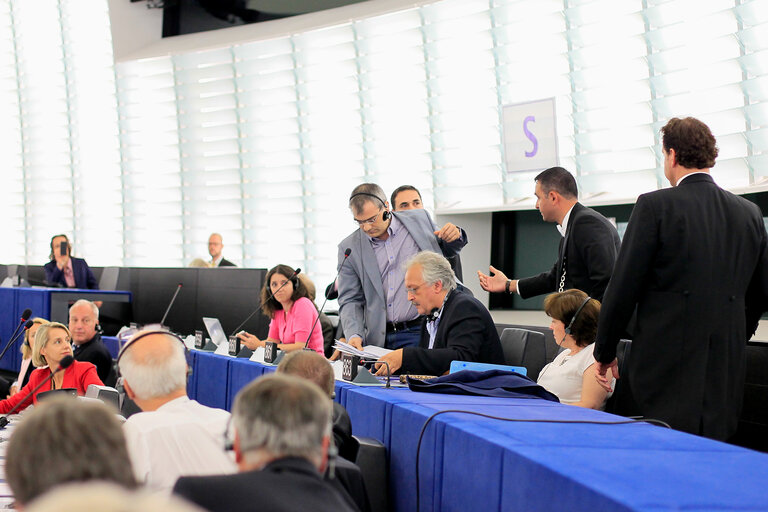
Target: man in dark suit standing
[282,428]
[456,327]
[588,247]
[215,247]
[693,262]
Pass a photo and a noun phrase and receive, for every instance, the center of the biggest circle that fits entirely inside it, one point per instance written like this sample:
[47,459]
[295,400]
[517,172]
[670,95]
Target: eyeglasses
[367,222]
[414,289]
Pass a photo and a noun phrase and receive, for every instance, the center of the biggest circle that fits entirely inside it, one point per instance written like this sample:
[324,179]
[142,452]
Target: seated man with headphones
[373,304]
[173,436]
[457,326]
[571,375]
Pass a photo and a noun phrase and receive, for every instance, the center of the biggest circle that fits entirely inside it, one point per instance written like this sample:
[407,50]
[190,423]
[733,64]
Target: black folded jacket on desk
[493,383]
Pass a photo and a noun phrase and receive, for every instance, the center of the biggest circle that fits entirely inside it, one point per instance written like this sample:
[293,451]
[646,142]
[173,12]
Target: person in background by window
[66,270]
[215,245]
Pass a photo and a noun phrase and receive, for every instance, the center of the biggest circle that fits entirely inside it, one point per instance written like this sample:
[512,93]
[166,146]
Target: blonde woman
[27,367]
[52,344]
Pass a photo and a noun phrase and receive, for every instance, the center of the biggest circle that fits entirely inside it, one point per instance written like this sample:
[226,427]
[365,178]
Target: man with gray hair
[174,435]
[83,324]
[373,306]
[456,325]
[282,429]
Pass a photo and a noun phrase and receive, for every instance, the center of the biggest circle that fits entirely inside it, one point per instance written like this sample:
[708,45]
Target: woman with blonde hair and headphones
[571,375]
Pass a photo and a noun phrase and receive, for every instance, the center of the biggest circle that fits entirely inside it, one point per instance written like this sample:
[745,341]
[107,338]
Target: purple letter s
[531,136]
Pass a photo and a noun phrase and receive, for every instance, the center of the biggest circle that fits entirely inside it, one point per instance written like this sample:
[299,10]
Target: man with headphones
[174,435]
[373,304]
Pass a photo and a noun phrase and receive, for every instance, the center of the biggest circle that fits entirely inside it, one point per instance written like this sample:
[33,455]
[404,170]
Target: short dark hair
[563,305]
[695,146]
[268,307]
[74,441]
[362,194]
[401,188]
[559,180]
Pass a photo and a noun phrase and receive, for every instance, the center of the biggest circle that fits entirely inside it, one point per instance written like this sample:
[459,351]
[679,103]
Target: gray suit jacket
[362,309]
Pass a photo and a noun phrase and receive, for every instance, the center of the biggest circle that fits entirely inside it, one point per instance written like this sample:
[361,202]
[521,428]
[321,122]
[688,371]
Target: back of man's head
[278,416]
[154,365]
[695,146]
[364,193]
[559,180]
[311,366]
[65,440]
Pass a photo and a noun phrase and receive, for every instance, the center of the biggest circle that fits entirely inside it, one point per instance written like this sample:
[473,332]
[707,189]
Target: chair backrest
[372,461]
[524,348]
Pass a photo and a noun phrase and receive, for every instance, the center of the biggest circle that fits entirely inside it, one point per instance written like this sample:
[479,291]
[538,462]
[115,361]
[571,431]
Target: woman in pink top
[293,314]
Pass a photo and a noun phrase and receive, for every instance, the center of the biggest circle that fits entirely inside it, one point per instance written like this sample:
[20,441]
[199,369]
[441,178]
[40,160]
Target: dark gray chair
[524,348]
[372,460]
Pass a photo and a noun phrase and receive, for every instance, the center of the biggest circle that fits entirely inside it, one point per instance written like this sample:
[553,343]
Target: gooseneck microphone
[295,273]
[24,320]
[346,255]
[173,299]
[65,363]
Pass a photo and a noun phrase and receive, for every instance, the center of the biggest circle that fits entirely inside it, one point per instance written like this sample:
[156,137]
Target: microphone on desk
[65,363]
[290,279]
[389,373]
[173,299]
[327,293]
[24,319]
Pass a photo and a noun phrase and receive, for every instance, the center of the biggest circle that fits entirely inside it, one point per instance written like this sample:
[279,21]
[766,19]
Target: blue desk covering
[470,463]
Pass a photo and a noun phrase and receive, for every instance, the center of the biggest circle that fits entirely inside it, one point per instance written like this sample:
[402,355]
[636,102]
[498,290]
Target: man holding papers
[457,326]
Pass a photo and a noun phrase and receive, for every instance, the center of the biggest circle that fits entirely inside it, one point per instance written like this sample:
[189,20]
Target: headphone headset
[144,334]
[576,315]
[384,216]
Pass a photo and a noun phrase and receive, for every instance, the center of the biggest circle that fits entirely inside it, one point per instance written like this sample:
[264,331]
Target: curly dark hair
[695,146]
[268,307]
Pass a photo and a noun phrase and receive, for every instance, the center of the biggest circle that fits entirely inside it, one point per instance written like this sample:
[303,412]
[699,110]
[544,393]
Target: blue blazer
[84,278]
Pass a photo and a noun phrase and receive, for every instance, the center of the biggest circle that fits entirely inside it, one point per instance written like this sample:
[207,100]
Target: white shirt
[180,438]
[564,375]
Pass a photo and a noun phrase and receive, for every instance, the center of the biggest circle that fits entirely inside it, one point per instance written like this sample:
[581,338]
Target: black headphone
[576,315]
[384,216]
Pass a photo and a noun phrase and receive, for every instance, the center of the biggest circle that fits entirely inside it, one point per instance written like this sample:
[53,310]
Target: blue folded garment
[496,383]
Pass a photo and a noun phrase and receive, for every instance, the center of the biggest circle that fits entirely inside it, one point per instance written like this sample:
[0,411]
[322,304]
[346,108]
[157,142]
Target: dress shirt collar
[171,404]
[395,226]
[563,229]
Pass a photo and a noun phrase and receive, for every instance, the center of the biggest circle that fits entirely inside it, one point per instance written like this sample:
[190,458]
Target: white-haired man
[456,325]
[174,435]
[282,431]
[83,324]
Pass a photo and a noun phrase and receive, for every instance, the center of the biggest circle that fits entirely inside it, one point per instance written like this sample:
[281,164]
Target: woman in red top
[51,345]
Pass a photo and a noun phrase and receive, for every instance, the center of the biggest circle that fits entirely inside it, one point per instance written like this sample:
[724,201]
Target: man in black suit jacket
[588,247]
[281,440]
[215,246]
[83,324]
[694,263]
[457,326]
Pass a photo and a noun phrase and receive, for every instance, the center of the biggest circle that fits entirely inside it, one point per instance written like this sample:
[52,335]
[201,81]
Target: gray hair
[434,268]
[366,190]
[287,417]
[106,497]
[158,373]
[41,340]
[309,365]
[83,302]
[70,441]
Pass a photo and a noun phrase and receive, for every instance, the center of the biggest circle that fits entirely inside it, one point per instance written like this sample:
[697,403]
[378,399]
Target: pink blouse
[294,326]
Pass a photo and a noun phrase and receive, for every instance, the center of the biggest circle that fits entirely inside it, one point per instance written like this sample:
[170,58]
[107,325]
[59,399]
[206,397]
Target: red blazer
[79,376]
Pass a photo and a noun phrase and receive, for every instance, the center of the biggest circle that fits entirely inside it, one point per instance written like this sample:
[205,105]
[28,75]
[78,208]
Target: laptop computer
[216,332]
